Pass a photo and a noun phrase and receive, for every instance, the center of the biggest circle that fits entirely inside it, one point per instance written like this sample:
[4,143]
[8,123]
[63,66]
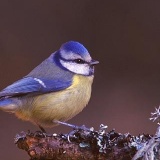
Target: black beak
[93,62]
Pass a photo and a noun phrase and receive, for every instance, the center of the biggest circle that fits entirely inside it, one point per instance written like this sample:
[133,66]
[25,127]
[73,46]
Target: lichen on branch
[80,144]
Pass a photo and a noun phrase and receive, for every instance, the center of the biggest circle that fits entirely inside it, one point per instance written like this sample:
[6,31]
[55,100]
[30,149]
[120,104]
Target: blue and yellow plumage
[56,90]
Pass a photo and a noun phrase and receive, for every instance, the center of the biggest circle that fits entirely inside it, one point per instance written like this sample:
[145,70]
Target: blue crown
[75,47]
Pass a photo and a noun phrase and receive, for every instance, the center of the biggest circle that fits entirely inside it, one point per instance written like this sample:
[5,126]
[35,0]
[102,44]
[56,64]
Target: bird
[55,91]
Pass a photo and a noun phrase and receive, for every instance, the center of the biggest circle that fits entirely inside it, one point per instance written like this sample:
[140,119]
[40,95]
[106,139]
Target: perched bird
[56,90]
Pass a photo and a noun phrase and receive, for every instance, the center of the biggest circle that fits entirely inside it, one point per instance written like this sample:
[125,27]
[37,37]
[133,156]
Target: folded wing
[29,85]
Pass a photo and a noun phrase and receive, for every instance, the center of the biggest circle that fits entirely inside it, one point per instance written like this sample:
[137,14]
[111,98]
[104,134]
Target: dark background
[122,35]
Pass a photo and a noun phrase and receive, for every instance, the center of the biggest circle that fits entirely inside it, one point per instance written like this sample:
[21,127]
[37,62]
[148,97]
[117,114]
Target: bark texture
[87,144]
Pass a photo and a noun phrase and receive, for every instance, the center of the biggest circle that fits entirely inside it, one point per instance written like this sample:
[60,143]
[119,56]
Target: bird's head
[75,57]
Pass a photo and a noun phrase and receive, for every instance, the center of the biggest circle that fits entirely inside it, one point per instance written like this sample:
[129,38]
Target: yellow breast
[61,105]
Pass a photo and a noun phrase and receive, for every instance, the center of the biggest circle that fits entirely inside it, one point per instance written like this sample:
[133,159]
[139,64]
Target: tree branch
[87,145]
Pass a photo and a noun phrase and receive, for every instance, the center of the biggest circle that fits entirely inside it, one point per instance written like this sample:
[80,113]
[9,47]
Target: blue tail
[7,105]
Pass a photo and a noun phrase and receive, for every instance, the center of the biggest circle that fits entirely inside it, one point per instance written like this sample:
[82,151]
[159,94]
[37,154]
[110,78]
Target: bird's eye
[79,61]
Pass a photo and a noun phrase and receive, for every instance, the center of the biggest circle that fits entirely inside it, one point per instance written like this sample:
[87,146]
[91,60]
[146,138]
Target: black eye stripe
[79,61]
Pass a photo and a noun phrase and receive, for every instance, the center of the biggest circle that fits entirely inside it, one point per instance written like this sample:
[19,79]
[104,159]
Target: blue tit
[56,90]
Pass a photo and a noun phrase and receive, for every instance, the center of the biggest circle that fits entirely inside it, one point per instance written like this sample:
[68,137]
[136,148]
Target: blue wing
[34,85]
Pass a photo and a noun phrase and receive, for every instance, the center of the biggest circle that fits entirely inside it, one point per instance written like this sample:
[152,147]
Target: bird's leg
[42,129]
[83,127]
[71,134]
[41,133]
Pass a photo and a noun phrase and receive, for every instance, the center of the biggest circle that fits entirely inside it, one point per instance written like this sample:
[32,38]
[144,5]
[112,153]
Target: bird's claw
[39,134]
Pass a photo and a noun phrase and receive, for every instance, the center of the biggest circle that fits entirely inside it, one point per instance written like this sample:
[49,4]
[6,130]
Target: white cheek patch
[40,82]
[76,68]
